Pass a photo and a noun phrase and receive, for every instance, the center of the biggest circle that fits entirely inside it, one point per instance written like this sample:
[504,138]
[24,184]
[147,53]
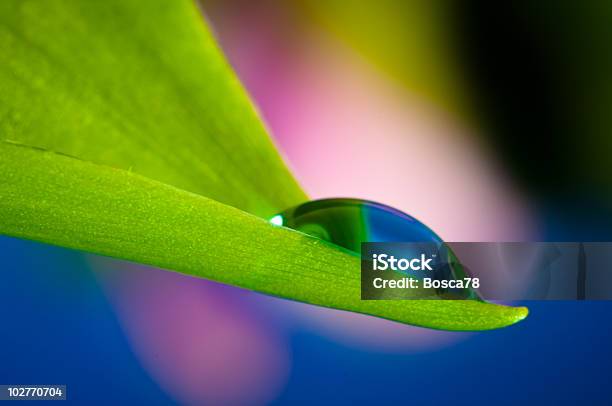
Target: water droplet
[349,222]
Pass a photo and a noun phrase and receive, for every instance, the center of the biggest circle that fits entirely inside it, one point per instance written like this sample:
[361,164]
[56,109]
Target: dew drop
[349,222]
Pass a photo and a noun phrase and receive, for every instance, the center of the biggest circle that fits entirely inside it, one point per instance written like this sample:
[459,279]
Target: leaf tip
[521,313]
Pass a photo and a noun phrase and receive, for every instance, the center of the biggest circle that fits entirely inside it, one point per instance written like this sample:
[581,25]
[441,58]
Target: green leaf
[65,201]
[119,116]
[138,86]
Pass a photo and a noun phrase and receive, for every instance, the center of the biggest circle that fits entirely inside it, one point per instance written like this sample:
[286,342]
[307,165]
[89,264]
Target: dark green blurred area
[542,78]
[542,75]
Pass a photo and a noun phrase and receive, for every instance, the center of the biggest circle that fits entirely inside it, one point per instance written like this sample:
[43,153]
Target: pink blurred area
[202,342]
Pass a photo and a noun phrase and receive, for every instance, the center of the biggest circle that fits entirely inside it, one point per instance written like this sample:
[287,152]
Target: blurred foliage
[410,40]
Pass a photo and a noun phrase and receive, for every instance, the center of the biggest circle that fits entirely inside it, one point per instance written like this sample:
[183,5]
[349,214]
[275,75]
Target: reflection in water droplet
[349,222]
